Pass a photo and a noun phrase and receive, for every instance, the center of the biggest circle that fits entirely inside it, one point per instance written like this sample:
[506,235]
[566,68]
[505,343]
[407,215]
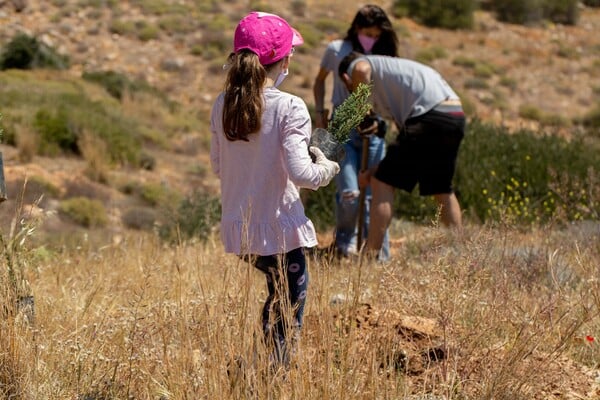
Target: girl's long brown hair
[243,102]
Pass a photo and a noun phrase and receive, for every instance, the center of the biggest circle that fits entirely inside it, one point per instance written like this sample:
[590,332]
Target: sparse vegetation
[146,305]
[197,216]
[452,14]
[534,11]
[87,212]
[427,56]
[27,52]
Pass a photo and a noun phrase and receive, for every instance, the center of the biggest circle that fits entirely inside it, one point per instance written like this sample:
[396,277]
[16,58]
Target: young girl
[371,32]
[260,152]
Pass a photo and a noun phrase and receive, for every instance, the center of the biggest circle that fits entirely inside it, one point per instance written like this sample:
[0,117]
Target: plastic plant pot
[322,139]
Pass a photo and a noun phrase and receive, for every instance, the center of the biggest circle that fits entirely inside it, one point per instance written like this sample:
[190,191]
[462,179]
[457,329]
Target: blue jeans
[348,192]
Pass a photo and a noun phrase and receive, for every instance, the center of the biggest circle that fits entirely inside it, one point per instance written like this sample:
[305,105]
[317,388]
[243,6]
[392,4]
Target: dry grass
[138,319]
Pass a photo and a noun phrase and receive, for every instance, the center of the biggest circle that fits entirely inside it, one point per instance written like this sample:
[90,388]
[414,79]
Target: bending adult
[371,32]
[431,125]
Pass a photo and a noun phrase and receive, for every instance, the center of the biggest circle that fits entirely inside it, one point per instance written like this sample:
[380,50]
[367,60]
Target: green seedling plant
[350,113]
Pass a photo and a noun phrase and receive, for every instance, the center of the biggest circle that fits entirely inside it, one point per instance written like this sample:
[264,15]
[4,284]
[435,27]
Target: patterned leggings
[276,321]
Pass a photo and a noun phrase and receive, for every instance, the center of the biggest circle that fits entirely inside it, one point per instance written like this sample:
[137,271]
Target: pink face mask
[367,42]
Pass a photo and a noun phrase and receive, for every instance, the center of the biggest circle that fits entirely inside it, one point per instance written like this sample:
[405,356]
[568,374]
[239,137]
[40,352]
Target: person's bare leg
[381,213]
[450,213]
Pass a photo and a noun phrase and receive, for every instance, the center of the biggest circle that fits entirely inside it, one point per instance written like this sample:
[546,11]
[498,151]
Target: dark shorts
[424,152]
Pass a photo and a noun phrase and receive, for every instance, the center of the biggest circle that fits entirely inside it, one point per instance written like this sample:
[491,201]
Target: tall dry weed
[136,318]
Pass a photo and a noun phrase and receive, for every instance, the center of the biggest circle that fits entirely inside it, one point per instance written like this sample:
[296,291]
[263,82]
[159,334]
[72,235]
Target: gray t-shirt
[404,88]
[335,52]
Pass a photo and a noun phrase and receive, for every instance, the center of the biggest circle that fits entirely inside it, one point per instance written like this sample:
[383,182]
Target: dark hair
[368,16]
[243,102]
[346,61]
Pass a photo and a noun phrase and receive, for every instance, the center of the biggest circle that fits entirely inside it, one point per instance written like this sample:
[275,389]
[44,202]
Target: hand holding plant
[346,117]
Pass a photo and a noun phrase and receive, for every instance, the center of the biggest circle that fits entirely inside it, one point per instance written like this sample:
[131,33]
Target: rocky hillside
[499,68]
[515,75]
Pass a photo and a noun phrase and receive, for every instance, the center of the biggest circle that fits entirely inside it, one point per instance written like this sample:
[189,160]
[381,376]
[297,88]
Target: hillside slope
[553,68]
[499,69]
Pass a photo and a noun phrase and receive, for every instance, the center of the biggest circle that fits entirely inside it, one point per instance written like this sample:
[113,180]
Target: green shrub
[121,27]
[26,52]
[319,206]
[562,11]
[161,7]
[98,3]
[84,211]
[476,83]
[299,7]
[156,194]
[311,35]
[142,218]
[178,24]
[463,61]
[508,82]
[524,177]
[484,71]
[449,14]
[56,132]
[61,129]
[196,216]
[530,112]
[591,121]
[534,11]
[518,11]
[146,31]
[7,133]
[331,26]
[116,84]
[521,175]
[426,56]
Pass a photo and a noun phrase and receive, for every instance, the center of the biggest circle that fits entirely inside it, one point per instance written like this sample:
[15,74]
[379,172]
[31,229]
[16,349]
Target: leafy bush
[121,27]
[156,194]
[531,178]
[533,11]
[161,7]
[592,120]
[26,52]
[449,14]
[319,206]
[197,216]
[430,54]
[142,218]
[84,211]
[521,175]
[56,133]
[562,11]
[146,31]
[116,83]
[61,129]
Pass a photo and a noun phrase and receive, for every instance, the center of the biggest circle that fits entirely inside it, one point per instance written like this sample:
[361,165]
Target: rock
[173,64]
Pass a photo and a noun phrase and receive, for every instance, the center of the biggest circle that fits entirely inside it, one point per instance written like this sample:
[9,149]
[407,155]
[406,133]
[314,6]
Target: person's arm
[295,138]
[322,114]
[364,177]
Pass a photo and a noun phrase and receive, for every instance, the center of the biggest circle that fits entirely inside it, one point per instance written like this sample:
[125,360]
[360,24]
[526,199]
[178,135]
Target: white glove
[328,168]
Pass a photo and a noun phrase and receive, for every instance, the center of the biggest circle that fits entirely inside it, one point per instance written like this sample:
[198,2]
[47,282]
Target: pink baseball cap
[267,35]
